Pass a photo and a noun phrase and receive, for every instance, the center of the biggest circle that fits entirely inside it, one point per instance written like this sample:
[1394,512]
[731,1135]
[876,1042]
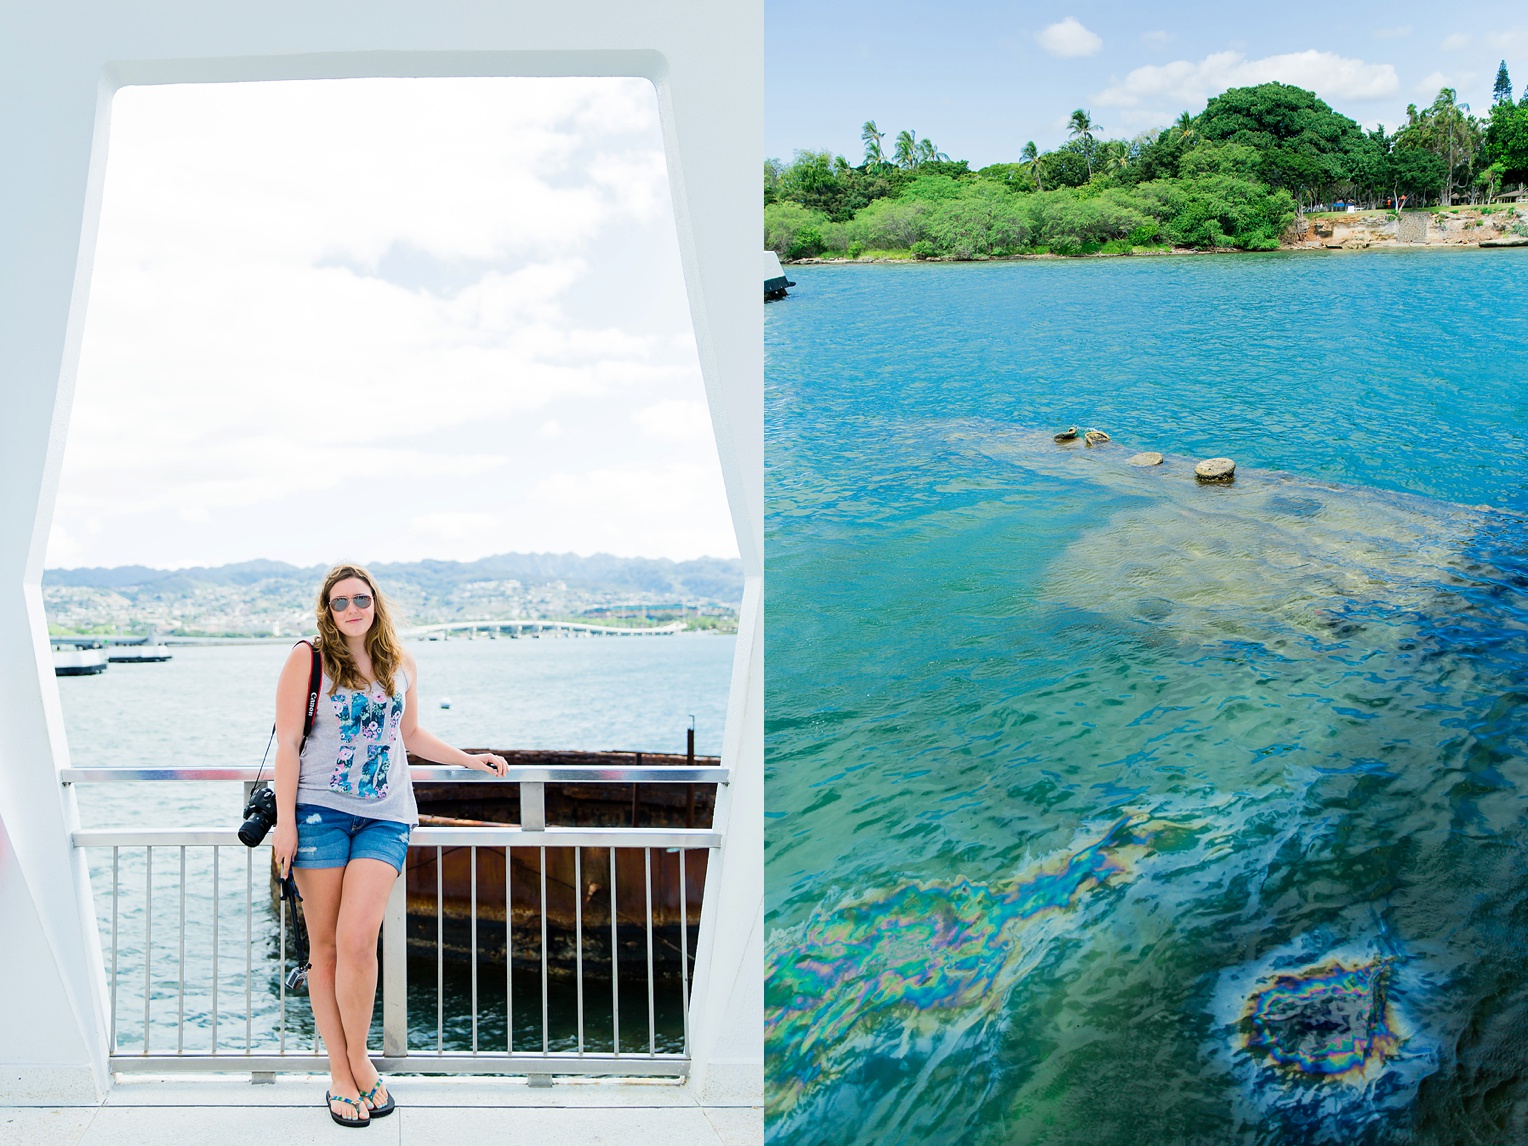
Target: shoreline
[1464,227]
[1176,252]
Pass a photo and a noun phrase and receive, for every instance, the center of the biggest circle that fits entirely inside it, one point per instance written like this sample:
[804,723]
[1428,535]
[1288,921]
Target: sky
[981,77]
[387,320]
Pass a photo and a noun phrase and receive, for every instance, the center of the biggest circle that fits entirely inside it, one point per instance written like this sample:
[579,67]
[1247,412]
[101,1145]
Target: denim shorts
[328,838]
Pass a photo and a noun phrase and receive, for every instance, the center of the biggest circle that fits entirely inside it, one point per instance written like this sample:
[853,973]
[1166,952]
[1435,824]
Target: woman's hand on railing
[284,845]
[488,762]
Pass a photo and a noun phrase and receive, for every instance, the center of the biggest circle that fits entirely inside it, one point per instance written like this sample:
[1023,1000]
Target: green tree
[906,154]
[872,138]
[1066,166]
[1305,146]
[1031,156]
[928,153]
[773,171]
[1446,129]
[889,224]
[1080,128]
[784,224]
[1502,91]
[1506,141]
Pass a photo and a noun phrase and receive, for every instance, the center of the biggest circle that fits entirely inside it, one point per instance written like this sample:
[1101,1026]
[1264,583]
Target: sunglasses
[340,604]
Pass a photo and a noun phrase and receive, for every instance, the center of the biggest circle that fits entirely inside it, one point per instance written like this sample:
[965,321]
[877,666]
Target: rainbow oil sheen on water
[1109,807]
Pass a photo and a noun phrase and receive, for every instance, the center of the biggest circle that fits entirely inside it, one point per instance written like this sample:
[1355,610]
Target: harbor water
[1105,806]
[211,706]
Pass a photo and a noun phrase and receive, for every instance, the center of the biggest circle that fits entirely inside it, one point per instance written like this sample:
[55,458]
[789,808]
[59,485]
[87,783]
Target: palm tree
[1184,126]
[1115,156]
[872,137]
[1080,126]
[1031,156]
[928,153]
[906,154]
[1453,141]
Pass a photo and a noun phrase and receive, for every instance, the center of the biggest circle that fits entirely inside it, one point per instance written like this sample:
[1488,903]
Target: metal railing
[530,851]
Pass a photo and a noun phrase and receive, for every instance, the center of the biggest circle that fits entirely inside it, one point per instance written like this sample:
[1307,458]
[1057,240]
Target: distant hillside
[712,578]
[273,597]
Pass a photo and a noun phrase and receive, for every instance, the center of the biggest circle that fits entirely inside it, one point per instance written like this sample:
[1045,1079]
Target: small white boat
[71,661]
[138,654]
[775,281]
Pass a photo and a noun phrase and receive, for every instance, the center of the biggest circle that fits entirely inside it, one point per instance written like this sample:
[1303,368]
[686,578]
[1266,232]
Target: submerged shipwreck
[442,890]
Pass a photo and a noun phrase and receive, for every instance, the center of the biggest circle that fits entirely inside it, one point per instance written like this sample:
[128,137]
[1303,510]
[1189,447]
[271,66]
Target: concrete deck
[230,1111]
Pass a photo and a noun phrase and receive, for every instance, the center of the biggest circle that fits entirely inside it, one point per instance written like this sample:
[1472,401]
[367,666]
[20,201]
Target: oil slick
[909,971]
[1332,1021]
[1322,1043]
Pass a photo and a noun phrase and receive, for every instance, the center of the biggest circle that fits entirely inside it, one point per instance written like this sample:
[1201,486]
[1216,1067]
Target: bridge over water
[535,627]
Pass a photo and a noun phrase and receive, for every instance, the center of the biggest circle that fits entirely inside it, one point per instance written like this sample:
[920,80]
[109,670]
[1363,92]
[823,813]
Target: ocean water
[213,705]
[1108,807]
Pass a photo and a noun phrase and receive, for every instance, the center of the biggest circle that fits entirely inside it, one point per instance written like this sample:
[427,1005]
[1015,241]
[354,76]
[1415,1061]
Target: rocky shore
[1442,227]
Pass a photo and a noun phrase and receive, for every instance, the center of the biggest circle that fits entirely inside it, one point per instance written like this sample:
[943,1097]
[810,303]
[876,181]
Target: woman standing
[344,807]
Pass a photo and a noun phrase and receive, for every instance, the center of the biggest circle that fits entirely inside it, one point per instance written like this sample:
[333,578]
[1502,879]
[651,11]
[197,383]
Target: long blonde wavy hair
[382,643]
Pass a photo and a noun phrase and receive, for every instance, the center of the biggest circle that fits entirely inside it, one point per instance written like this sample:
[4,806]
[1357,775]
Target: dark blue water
[1105,806]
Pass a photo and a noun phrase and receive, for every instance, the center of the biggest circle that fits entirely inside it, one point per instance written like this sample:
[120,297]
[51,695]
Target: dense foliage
[1233,176]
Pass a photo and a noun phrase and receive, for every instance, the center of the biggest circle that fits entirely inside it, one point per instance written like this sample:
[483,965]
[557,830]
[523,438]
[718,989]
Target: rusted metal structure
[445,883]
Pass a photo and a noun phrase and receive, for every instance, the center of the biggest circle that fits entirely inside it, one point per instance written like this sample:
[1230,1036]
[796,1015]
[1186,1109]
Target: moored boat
[138,654]
[78,660]
[775,282]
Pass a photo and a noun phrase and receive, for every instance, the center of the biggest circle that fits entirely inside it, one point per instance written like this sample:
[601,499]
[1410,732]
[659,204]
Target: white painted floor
[230,1111]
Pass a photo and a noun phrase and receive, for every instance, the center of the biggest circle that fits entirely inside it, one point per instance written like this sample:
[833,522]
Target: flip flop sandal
[370,1096]
[357,1121]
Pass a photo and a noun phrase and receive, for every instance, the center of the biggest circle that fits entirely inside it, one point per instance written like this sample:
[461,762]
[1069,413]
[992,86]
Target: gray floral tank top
[354,760]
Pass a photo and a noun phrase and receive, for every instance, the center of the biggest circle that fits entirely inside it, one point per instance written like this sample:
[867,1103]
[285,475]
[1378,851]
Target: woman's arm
[431,747]
[291,707]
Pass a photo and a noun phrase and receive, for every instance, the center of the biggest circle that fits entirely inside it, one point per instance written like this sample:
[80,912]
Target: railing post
[395,984]
[532,805]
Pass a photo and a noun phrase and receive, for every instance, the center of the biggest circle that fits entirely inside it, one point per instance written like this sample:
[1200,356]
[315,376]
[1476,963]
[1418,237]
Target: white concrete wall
[60,61]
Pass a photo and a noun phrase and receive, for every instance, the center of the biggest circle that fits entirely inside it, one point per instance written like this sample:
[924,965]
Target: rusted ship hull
[578,881]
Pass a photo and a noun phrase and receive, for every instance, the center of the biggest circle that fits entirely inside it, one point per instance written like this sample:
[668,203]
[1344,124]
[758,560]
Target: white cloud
[1156,93]
[649,509]
[674,420]
[1455,41]
[1397,33]
[1156,39]
[354,315]
[1069,39]
[1430,84]
[452,526]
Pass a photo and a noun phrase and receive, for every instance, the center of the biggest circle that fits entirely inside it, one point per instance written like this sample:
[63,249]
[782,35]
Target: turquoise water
[1109,807]
[212,706]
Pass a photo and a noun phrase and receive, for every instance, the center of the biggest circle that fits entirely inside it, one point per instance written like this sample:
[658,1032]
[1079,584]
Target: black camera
[259,816]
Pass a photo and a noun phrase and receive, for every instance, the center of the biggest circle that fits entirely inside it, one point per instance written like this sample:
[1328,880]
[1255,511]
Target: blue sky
[980,78]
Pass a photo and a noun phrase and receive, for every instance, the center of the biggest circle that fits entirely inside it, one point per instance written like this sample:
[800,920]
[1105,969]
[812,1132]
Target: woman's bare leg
[321,889]
[362,903]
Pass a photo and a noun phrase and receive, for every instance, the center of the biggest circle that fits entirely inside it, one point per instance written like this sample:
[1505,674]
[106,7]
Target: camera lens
[260,814]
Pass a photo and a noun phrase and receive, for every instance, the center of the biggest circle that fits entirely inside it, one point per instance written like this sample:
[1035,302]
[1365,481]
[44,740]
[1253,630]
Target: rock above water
[1149,458]
[1216,469]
